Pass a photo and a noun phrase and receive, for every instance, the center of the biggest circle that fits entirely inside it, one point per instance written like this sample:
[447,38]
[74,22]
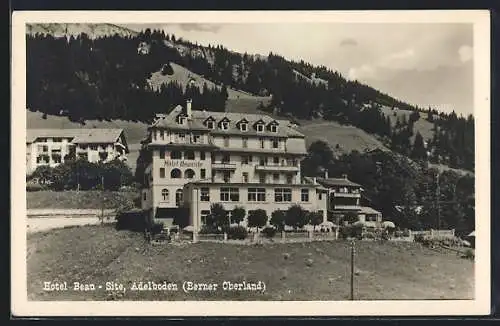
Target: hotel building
[197,158]
[50,147]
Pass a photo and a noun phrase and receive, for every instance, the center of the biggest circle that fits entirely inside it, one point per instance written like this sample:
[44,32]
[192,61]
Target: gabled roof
[334,182]
[244,120]
[274,122]
[77,136]
[368,210]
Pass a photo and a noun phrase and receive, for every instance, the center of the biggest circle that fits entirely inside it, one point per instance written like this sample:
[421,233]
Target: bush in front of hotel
[269,232]
[296,217]
[237,233]
[278,220]
[257,218]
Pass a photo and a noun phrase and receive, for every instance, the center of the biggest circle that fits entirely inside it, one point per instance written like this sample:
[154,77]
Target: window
[164,194]
[243,127]
[144,196]
[304,194]
[57,140]
[162,154]
[260,127]
[257,194]
[274,128]
[162,134]
[262,143]
[244,159]
[43,148]
[320,196]
[56,158]
[224,125]
[262,178]
[176,155]
[226,176]
[42,140]
[282,195]
[276,177]
[93,147]
[153,133]
[245,142]
[178,197]
[204,194]
[181,119]
[162,172]
[175,174]
[210,124]
[189,174]
[226,141]
[276,143]
[182,138]
[229,194]
[262,161]
[245,177]
[189,155]
[202,156]
[203,173]
[276,160]
[196,139]
[203,216]
[226,158]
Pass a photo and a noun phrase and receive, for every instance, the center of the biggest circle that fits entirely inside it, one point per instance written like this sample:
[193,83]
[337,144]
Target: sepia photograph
[301,163]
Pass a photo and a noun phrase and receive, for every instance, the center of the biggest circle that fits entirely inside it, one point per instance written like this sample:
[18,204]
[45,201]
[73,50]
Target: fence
[434,233]
[69,212]
[279,236]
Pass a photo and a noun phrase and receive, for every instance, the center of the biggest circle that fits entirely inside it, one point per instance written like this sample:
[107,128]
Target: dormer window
[242,124]
[273,126]
[243,127]
[181,119]
[260,127]
[224,124]
[210,124]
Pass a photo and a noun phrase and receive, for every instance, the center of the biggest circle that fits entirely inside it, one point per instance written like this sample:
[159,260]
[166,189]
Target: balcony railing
[347,194]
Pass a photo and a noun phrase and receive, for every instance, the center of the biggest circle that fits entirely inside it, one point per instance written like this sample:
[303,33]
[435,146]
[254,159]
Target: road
[38,224]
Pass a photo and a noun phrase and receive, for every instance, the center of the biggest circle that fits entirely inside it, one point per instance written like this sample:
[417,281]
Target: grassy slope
[82,199]
[423,126]
[385,270]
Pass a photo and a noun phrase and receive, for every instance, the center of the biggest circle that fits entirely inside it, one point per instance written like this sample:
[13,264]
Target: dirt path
[38,224]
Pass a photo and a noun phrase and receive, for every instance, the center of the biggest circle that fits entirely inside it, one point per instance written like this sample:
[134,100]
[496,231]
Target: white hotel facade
[197,158]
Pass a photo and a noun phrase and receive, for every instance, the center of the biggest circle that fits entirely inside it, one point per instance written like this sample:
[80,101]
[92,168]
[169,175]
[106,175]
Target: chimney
[326,174]
[188,108]
[315,181]
[344,176]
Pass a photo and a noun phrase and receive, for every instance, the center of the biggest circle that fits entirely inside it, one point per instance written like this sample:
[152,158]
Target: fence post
[283,236]
[432,233]
[310,235]
[195,237]
[225,236]
[453,232]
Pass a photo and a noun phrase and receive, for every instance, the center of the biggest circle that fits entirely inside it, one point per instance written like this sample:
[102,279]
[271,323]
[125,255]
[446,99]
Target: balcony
[347,207]
[347,194]
[223,166]
[277,167]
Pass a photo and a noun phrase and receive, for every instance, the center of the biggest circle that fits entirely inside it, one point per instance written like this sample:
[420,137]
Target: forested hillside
[110,77]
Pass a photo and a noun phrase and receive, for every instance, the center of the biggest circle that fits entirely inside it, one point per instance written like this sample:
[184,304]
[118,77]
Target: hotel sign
[183,164]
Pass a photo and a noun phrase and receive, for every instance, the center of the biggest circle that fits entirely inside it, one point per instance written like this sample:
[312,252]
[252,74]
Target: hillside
[424,127]
[93,31]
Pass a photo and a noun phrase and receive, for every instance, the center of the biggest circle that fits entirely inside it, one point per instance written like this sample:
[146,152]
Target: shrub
[238,214]
[269,232]
[207,229]
[237,233]
[469,254]
[257,218]
[296,217]
[278,219]
[157,228]
[131,220]
[35,187]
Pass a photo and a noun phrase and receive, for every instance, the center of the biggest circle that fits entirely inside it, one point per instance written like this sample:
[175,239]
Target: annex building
[50,147]
[197,158]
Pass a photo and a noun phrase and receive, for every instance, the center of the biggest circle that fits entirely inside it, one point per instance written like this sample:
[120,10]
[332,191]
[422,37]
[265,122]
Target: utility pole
[102,202]
[352,269]
[437,202]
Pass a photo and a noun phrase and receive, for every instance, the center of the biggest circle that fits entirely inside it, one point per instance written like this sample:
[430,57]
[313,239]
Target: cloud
[465,53]
[212,28]
[348,42]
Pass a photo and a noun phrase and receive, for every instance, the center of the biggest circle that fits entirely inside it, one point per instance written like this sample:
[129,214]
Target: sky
[427,64]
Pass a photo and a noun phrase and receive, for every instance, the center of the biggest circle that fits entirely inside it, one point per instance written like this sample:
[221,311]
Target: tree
[296,217]
[218,216]
[315,219]
[238,214]
[278,220]
[419,152]
[257,218]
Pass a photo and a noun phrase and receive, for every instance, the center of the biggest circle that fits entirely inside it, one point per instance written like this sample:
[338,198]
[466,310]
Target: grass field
[98,254]
[82,199]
